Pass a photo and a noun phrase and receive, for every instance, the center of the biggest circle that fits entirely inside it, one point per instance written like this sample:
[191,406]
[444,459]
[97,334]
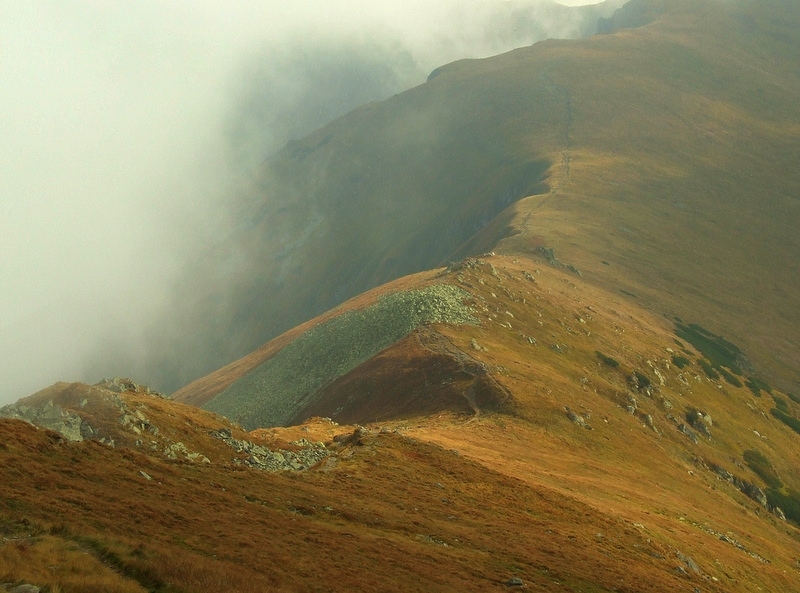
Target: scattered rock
[475,346]
[729,539]
[51,416]
[577,418]
[548,254]
[640,382]
[25,589]
[515,582]
[688,432]
[274,392]
[647,420]
[687,560]
[145,475]
[752,491]
[470,263]
[747,488]
[262,458]
[121,385]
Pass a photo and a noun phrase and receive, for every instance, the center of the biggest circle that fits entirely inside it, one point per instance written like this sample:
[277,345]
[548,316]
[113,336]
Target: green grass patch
[761,466]
[788,501]
[730,377]
[756,385]
[709,370]
[607,360]
[781,404]
[794,398]
[788,420]
[680,361]
[715,348]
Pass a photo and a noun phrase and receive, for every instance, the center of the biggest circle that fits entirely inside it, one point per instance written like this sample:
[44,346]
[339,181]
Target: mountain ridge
[626,153]
[598,394]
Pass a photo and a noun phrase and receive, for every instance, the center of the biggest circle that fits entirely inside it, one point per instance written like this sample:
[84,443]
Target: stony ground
[274,392]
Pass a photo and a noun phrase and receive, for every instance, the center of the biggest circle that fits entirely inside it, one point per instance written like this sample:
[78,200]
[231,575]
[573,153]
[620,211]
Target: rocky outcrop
[122,385]
[747,488]
[50,415]
[263,458]
[692,435]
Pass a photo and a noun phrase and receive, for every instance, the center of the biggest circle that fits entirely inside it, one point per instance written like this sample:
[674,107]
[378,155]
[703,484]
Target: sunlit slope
[679,183]
[563,437]
[660,160]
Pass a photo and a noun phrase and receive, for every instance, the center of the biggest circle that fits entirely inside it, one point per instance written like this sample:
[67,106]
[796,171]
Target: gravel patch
[275,391]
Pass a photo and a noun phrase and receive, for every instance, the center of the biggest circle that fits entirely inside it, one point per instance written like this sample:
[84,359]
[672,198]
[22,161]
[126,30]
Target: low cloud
[126,129]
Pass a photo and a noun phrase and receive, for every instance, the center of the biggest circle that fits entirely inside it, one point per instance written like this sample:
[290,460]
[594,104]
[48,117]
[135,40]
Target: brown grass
[683,193]
[61,565]
[439,523]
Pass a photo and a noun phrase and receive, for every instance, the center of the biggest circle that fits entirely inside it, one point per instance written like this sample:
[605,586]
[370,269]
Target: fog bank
[127,126]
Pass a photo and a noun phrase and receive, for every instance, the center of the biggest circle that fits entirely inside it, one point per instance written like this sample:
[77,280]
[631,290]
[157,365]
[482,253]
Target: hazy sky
[123,124]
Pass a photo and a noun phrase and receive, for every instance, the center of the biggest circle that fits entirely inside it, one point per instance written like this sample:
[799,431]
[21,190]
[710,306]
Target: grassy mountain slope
[657,159]
[604,404]
[556,440]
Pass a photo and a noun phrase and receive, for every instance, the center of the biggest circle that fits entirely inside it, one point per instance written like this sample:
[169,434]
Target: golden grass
[528,494]
[61,566]
[665,185]
[392,515]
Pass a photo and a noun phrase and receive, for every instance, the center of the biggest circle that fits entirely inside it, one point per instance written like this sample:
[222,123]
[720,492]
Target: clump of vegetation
[756,385]
[721,357]
[730,377]
[761,466]
[710,371]
[781,403]
[680,361]
[794,398]
[643,381]
[715,348]
[787,419]
[787,500]
[607,360]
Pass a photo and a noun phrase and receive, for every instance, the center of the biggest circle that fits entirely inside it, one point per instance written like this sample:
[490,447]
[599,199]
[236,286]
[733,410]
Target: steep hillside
[558,437]
[557,381]
[599,394]
[658,159]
